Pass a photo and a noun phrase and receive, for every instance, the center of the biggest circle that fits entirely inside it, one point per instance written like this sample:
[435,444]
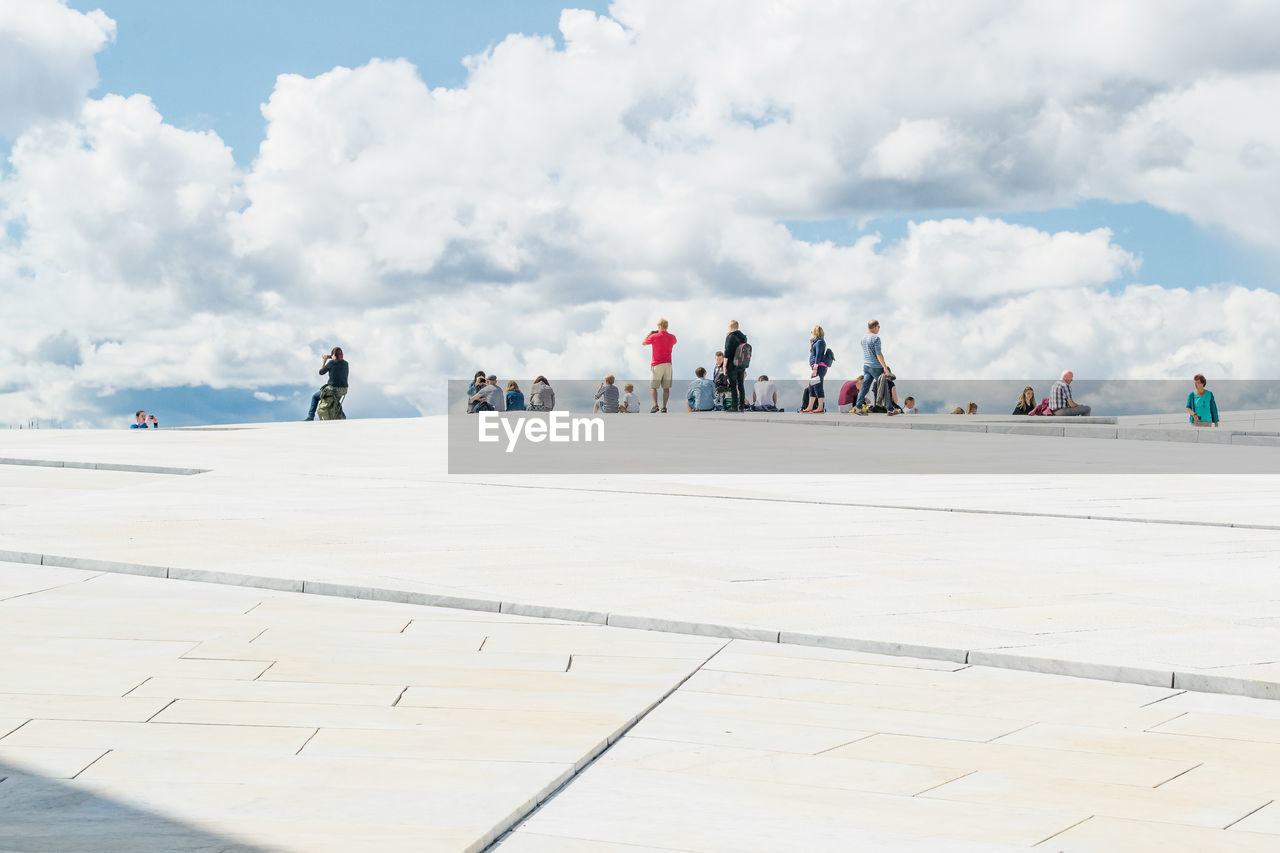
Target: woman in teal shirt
[1201,406]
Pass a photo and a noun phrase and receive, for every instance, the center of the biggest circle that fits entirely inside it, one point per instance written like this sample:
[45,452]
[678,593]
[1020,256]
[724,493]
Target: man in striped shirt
[873,364]
[1060,397]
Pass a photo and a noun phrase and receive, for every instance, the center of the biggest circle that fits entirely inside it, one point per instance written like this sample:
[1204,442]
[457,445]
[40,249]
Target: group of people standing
[877,380]
[727,380]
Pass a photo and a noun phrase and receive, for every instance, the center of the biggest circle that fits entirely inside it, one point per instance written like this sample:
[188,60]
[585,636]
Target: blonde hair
[662,324]
[1022,400]
[628,387]
[512,386]
[957,411]
[608,380]
[817,332]
[973,409]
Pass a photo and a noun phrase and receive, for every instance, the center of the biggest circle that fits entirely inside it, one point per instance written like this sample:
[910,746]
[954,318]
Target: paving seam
[1199,682]
[545,796]
[1112,431]
[905,507]
[102,466]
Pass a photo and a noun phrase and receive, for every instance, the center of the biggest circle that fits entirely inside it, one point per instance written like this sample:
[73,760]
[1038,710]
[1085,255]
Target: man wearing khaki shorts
[662,342]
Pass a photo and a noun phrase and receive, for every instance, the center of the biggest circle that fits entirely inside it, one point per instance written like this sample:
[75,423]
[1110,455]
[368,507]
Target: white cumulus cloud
[539,218]
[47,61]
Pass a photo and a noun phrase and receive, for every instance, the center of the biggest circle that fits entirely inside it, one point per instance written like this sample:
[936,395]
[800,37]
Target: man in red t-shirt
[662,342]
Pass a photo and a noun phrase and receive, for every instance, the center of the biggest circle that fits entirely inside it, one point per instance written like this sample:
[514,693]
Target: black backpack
[742,358]
[829,358]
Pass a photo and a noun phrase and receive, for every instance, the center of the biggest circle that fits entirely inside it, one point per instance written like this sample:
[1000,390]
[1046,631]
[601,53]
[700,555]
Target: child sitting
[630,402]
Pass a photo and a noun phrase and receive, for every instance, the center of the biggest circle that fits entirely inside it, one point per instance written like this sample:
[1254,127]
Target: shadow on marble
[44,815]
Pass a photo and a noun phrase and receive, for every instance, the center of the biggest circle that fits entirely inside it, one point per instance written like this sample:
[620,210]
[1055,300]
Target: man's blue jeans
[870,372]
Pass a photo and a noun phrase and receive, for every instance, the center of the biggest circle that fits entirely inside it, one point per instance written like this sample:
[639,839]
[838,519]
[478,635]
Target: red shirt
[662,343]
[848,393]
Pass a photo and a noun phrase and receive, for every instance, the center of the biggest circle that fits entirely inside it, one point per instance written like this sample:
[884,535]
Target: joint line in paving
[105,753]
[1183,773]
[1243,816]
[1060,831]
[994,658]
[619,735]
[903,507]
[104,466]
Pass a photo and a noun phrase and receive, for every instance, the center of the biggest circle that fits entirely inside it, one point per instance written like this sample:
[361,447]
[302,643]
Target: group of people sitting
[881,399]
[484,395]
[1059,402]
[610,399]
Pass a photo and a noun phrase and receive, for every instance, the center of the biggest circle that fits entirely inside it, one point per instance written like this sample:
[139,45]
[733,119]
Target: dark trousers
[816,387]
[737,395]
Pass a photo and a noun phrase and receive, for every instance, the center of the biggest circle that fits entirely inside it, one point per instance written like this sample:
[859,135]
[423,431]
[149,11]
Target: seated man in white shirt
[764,395]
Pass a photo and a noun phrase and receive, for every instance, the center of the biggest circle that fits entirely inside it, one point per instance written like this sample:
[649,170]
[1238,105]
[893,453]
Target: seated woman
[848,395]
[1026,403]
[515,397]
[541,397]
[477,382]
[1201,406]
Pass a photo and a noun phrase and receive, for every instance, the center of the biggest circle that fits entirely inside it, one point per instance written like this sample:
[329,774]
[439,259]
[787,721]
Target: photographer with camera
[662,342]
[337,369]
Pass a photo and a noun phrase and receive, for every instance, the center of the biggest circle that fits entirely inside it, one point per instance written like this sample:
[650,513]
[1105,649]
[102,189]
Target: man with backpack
[334,390]
[737,358]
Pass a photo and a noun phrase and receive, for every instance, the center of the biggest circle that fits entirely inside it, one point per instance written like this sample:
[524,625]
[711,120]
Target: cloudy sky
[198,199]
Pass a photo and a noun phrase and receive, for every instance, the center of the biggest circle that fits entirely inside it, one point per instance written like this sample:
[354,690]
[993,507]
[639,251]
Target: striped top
[871,349]
[608,397]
